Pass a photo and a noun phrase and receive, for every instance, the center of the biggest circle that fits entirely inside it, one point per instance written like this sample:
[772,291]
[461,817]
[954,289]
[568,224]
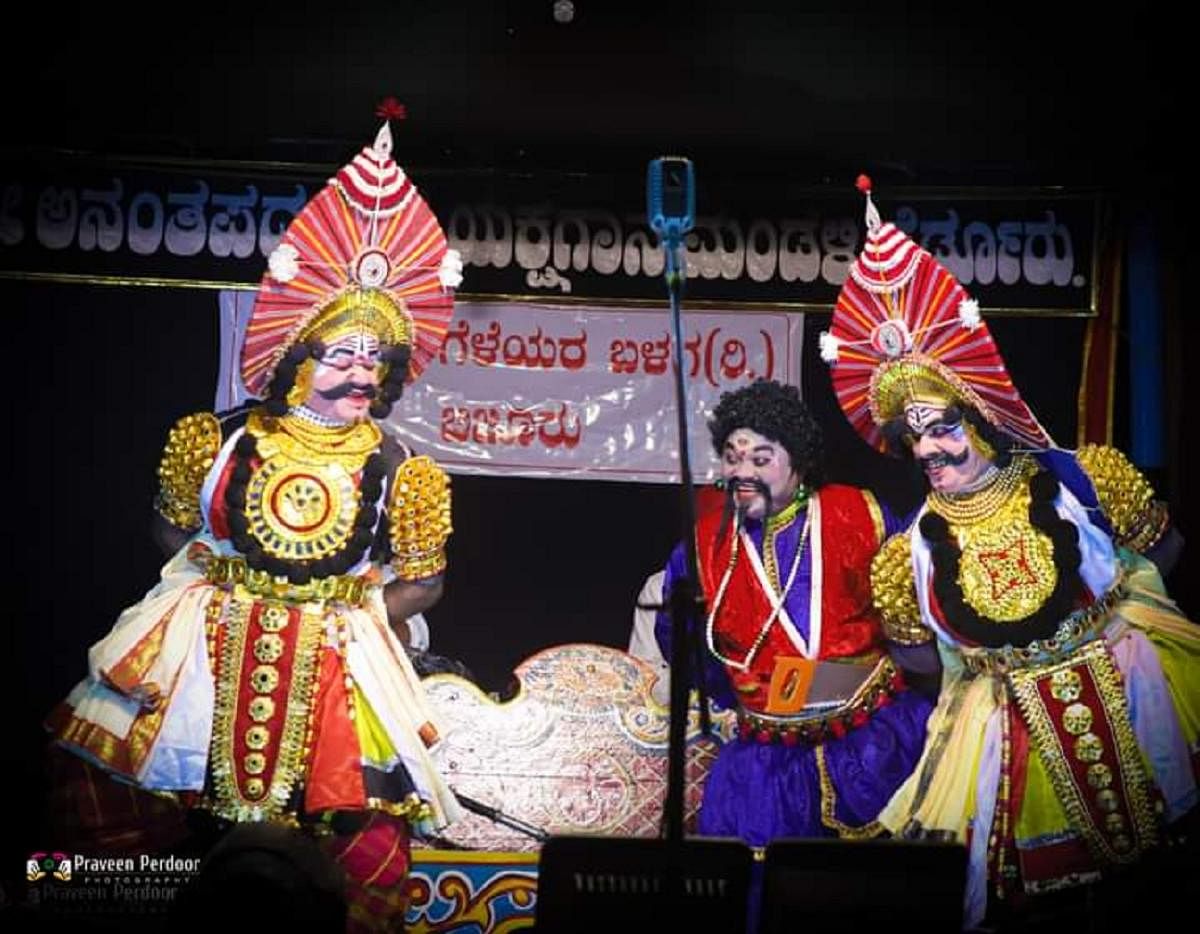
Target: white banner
[568,391]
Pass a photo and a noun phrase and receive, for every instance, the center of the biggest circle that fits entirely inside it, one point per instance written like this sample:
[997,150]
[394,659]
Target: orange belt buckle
[790,683]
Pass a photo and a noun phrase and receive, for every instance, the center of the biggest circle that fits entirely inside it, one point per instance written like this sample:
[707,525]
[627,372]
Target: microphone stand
[686,598]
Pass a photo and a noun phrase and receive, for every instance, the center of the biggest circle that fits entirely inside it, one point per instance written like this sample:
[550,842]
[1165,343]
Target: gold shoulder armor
[1125,496]
[192,446]
[893,593]
[419,519]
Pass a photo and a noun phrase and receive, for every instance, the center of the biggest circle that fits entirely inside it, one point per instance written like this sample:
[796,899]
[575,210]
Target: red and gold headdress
[366,253]
[904,330]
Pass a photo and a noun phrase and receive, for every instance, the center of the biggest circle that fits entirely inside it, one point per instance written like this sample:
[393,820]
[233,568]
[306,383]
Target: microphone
[499,817]
[671,198]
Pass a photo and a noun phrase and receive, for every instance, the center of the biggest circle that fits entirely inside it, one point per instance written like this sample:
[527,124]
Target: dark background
[1002,94]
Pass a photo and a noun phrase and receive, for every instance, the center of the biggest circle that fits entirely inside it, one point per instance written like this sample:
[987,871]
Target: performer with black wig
[1066,732]
[261,679]
[827,726]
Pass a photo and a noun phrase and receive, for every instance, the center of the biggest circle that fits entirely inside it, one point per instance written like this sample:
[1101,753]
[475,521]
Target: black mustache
[944,459]
[751,483]
[731,489]
[338,392]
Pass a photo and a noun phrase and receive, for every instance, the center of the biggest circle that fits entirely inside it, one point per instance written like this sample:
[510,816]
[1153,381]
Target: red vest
[850,534]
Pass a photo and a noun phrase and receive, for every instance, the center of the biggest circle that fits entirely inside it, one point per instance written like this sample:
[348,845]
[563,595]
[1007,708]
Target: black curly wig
[776,412]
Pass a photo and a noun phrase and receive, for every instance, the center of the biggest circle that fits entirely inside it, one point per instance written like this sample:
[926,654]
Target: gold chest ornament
[1007,570]
[302,500]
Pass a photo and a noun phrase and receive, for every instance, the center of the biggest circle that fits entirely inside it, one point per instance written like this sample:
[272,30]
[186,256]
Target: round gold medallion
[274,618]
[268,648]
[299,511]
[1077,719]
[1114,822]
[264,679]
[1099,775]
[1066,686]
[262,709]
[1107,800]
[257,737]
[254,788]
[255,763]
[1089,748]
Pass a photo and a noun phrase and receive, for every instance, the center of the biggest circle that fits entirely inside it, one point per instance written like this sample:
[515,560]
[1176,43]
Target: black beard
[731,506]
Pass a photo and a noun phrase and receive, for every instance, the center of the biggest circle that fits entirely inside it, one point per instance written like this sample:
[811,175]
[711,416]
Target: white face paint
[944,450]
[748,459]
[346,379]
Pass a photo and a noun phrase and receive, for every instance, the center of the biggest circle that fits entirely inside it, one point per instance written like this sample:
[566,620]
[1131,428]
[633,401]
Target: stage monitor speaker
[588,885]
[849,885]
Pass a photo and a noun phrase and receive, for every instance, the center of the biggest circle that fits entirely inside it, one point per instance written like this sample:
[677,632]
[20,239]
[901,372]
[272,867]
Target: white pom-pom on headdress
[968,314]
[450,272]
[829,347]
[283,263]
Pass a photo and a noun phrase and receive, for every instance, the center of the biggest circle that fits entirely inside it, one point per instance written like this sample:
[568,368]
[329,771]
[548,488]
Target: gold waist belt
[822,722]
[344,589]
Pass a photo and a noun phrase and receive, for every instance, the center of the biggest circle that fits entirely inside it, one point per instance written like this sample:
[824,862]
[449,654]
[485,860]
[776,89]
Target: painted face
[943,449]
[758,472]
[346,379]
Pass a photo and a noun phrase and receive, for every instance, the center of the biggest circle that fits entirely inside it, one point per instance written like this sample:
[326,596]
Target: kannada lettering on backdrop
[1015,250]
[575,392]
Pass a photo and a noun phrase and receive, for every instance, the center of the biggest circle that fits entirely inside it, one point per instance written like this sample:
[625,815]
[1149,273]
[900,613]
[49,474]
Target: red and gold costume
[1068,723]
[260,679]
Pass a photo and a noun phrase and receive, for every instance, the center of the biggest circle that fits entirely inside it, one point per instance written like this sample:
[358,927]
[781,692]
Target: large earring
[302,385]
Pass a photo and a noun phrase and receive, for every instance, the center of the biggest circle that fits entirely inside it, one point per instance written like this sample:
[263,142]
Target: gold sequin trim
[348,589]
[1089,748]
[419,519]
[829,805]
[192,445]
[893,593]
[1125,496]
[247,803]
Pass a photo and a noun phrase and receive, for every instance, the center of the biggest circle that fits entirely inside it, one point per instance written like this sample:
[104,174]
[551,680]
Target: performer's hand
[149,695]
[407,598]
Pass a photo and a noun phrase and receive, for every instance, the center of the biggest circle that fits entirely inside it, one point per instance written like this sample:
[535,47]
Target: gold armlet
[192,446]
[893,594]
[419,519]
[1125,496]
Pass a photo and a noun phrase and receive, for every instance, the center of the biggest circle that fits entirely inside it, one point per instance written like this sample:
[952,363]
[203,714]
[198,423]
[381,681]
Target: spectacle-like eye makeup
[343,359]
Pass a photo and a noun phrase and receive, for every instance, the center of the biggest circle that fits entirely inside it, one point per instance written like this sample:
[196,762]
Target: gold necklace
[968,509]
[306,443]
